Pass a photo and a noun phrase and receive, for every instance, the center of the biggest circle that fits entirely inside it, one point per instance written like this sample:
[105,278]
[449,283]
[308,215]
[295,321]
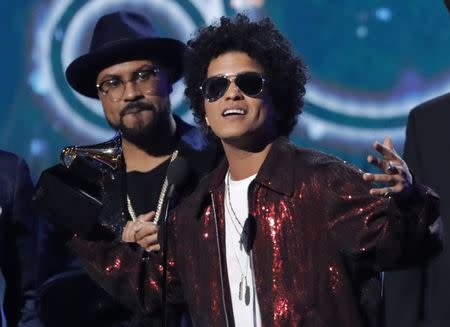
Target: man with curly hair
[276,235]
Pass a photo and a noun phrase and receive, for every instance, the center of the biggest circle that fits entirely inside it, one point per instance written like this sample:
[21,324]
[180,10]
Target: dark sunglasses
[249,83]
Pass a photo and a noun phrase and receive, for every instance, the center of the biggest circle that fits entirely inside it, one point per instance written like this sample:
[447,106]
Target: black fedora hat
[119,37]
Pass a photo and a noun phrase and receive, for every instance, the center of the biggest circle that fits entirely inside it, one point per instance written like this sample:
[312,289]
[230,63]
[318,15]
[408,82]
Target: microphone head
[178,172]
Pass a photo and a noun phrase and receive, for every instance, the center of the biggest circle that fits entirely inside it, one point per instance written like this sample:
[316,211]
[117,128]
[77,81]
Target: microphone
[177,174]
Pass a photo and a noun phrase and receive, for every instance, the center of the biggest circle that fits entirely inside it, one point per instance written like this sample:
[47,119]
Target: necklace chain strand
[243,234]
[162,195]
[244,288]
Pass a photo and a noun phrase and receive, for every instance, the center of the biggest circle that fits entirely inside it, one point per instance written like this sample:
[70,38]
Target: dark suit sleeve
[20,246]
[404,289]
[411,153]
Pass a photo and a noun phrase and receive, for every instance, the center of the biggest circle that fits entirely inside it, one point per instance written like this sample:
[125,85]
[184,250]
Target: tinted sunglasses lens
[215,87]
[249,83]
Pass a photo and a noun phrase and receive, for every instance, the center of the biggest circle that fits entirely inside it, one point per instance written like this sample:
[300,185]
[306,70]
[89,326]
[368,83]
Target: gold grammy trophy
[108,153]
[78,184]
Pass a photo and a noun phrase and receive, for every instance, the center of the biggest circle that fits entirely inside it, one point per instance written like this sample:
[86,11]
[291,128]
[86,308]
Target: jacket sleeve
[379,232]
[131,275]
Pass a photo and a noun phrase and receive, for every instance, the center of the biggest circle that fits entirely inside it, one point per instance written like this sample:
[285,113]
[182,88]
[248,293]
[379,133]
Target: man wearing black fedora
[418,297]
[131,70]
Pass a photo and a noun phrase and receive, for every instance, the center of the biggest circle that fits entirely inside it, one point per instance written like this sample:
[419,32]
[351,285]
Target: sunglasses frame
[231,79]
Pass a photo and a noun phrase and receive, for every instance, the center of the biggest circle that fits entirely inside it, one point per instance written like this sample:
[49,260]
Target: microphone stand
[176,174]
[170,195]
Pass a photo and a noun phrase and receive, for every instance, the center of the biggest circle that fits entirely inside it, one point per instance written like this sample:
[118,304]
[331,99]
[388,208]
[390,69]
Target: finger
[149,230]
[382,178]
[389,166]
[153,248]
[125,233]
[385,151]
[137,226]
[375,161]
[387,191]
[384,191]
[148,241]
[149,216]
[388,143]
[128,232]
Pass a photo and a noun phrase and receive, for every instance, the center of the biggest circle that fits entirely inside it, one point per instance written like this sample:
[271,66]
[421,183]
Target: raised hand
[396,177]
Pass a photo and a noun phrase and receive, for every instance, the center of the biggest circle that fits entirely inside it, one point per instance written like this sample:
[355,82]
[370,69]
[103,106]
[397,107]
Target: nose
[131,91]
[233,92]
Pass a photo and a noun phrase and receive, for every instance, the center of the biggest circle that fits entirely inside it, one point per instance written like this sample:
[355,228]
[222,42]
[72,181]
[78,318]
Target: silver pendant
[247,295]
[241,287]
[247,292]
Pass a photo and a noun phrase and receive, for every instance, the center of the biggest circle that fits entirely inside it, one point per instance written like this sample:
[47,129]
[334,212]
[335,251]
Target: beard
[143,136]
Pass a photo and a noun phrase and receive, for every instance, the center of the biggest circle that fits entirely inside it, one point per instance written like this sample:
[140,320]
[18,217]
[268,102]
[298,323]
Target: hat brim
[82,73]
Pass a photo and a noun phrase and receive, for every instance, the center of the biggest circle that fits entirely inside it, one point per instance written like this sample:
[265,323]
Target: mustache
[136,107]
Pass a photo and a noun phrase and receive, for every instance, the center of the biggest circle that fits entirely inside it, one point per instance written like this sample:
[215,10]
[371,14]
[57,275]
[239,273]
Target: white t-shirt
[240,271]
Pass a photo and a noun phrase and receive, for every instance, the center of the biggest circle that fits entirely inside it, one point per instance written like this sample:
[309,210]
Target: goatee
[143,136]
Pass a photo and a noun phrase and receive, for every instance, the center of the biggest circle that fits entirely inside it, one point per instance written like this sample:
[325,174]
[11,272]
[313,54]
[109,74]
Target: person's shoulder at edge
[433,106]
[8,159]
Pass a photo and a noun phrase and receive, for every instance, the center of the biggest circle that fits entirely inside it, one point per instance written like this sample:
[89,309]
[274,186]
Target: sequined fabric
[321,241]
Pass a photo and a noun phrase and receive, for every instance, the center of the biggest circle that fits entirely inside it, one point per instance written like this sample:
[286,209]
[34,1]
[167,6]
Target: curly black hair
[262,41]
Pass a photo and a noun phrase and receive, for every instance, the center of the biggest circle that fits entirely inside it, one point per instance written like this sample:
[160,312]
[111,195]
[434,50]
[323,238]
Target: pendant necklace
[244,288]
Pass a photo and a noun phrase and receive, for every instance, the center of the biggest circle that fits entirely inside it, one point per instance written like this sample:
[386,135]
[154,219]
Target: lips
[135,107]
[133,111]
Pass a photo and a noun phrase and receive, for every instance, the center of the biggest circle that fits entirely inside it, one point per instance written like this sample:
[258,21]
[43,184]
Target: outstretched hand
[396,177]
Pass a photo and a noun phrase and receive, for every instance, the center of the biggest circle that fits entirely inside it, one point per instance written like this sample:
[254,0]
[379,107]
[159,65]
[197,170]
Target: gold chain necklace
[162,195]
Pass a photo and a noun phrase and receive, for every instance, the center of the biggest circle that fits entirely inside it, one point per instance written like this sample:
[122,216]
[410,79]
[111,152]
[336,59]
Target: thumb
[146,217]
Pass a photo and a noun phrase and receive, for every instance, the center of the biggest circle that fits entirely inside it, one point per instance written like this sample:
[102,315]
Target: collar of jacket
[277,171]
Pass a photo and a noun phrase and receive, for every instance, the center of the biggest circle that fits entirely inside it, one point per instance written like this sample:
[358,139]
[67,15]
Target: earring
[206,120]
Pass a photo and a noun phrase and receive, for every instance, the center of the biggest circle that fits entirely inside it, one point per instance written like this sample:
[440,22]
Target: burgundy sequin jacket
[321,242]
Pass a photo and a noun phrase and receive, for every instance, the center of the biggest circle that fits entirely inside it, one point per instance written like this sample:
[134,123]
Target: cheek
[208,107]
[111,112]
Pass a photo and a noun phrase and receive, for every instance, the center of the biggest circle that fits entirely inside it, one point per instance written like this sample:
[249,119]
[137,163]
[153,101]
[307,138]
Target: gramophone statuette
[108,153]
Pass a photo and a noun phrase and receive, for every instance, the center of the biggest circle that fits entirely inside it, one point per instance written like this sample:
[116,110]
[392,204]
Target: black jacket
[70,210]
[419,297]
[17,240]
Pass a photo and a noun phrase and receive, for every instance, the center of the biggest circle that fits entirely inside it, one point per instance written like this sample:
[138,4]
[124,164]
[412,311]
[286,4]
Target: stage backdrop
[370,62]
